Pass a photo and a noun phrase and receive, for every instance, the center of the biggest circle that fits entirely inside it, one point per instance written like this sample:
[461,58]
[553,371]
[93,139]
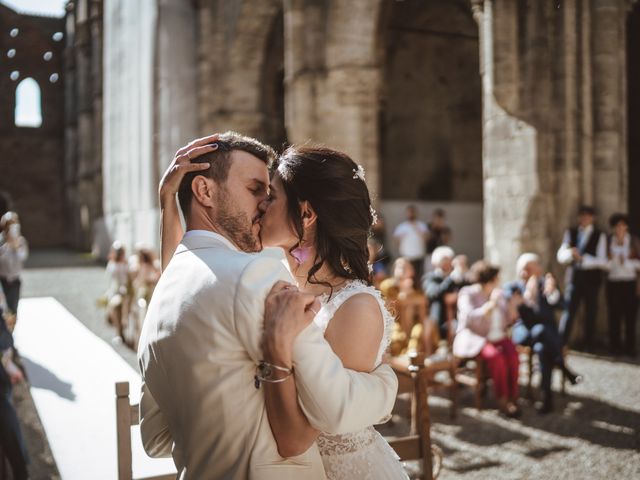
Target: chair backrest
[418,446]
[127,416]
[411,309]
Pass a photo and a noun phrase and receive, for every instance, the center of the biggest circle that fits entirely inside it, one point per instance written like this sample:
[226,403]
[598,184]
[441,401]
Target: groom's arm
[336,399]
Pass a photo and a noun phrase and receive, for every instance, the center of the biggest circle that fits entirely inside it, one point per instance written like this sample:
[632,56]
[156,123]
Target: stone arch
[235,44]
[28,109]
[431,108]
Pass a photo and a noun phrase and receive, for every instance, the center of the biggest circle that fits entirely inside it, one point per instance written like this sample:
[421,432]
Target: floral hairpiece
[374,215]
[358,173]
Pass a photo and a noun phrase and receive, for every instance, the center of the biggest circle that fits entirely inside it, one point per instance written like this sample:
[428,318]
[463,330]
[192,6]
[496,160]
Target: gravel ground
[594,432]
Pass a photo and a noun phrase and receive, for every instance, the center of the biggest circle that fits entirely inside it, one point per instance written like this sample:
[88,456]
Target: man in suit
[536,326]
[584,250]
[200,342]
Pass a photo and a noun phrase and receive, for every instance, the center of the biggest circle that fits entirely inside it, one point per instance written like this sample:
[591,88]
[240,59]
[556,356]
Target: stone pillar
[128,169]
[176,103]
[510,147]
[609,116]
[332,92]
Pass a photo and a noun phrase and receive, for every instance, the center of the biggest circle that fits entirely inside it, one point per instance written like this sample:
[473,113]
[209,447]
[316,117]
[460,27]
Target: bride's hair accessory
[266,372]
[374,215]
[358,173]
[301,254]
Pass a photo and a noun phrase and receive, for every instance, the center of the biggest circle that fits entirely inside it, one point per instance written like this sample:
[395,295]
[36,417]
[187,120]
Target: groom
[200,343]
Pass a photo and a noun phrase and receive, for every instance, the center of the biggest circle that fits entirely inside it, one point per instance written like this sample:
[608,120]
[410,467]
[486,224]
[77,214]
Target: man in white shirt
[411,237]
[584,250]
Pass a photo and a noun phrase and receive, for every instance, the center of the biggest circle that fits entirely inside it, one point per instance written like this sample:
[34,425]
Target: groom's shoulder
[228,266]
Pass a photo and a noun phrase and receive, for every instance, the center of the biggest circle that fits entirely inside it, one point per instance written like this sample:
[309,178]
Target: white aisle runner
[73,374]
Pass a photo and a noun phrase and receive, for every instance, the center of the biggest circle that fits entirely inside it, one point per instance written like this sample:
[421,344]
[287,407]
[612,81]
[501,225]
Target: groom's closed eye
[258,188]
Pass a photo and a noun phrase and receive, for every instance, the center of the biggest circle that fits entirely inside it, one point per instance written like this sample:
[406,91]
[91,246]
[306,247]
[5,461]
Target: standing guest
[5,202]
[484,315]
[411,237]
[536,325]
[622,284]
[439,231]
[14,251]
[442,284]
[584,249]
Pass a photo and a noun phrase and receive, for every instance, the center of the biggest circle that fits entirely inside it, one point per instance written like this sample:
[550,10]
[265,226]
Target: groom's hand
[181,165]
[287,312]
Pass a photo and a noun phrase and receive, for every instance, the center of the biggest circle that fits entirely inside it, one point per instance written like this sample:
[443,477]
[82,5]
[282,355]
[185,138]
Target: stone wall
[431,128]
[31,163]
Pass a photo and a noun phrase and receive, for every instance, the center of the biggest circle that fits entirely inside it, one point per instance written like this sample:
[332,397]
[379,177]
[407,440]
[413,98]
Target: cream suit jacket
[198,351]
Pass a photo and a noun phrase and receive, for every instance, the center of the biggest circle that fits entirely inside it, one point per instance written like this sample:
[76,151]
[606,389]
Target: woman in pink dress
[483,318]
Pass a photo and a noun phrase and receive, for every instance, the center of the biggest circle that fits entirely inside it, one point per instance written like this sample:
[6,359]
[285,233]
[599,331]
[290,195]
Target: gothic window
[28,111]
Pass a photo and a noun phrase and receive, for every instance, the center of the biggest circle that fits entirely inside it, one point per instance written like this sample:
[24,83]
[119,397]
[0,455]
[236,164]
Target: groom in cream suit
[200,343]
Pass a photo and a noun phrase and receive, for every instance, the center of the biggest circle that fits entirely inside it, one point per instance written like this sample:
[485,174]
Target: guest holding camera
[14,251]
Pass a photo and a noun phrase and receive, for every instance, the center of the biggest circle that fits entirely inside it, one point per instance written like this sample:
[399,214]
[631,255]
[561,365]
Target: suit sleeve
[565,255]
[255,283]
[154,429]
[335,399]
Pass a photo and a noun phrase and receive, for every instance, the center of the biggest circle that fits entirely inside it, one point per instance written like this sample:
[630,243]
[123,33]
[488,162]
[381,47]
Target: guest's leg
[630,316]
[573,297]
[614,311]
[513,367]
[497,369]
[591,292]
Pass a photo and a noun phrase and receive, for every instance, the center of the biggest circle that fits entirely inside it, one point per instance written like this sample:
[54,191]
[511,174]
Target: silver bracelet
[265,371]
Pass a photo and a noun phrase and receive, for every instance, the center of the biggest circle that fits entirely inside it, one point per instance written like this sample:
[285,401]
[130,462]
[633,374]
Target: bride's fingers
[198,142]
[279,286]
[194,153]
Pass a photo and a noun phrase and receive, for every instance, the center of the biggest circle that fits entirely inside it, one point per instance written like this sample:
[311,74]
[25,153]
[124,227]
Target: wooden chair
[472,372]
[411,310]
[127,416]
[417,445]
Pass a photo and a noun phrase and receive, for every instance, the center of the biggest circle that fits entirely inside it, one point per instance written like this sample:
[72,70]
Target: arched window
[28,104]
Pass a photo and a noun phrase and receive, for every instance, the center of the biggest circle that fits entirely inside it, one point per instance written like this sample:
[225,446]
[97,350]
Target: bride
[319,212]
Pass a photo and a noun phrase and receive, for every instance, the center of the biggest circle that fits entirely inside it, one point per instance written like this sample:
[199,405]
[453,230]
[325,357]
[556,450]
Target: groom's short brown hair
[220,160]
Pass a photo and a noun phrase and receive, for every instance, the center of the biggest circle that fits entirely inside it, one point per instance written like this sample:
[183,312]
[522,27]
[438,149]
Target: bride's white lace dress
[362,455]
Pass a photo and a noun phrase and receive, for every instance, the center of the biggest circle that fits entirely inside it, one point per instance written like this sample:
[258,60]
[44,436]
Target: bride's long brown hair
[334,186]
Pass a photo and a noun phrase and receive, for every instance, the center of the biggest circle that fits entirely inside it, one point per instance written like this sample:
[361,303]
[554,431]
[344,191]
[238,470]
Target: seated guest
[622,284]
[423,335]
[484,315]
[441,285]
[536,325]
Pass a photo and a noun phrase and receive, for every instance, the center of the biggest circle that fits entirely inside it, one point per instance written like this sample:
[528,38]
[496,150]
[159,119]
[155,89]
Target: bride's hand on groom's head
[182,164]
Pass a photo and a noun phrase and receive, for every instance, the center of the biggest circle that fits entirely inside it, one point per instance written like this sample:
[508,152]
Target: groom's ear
[309,215]
[204,190]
